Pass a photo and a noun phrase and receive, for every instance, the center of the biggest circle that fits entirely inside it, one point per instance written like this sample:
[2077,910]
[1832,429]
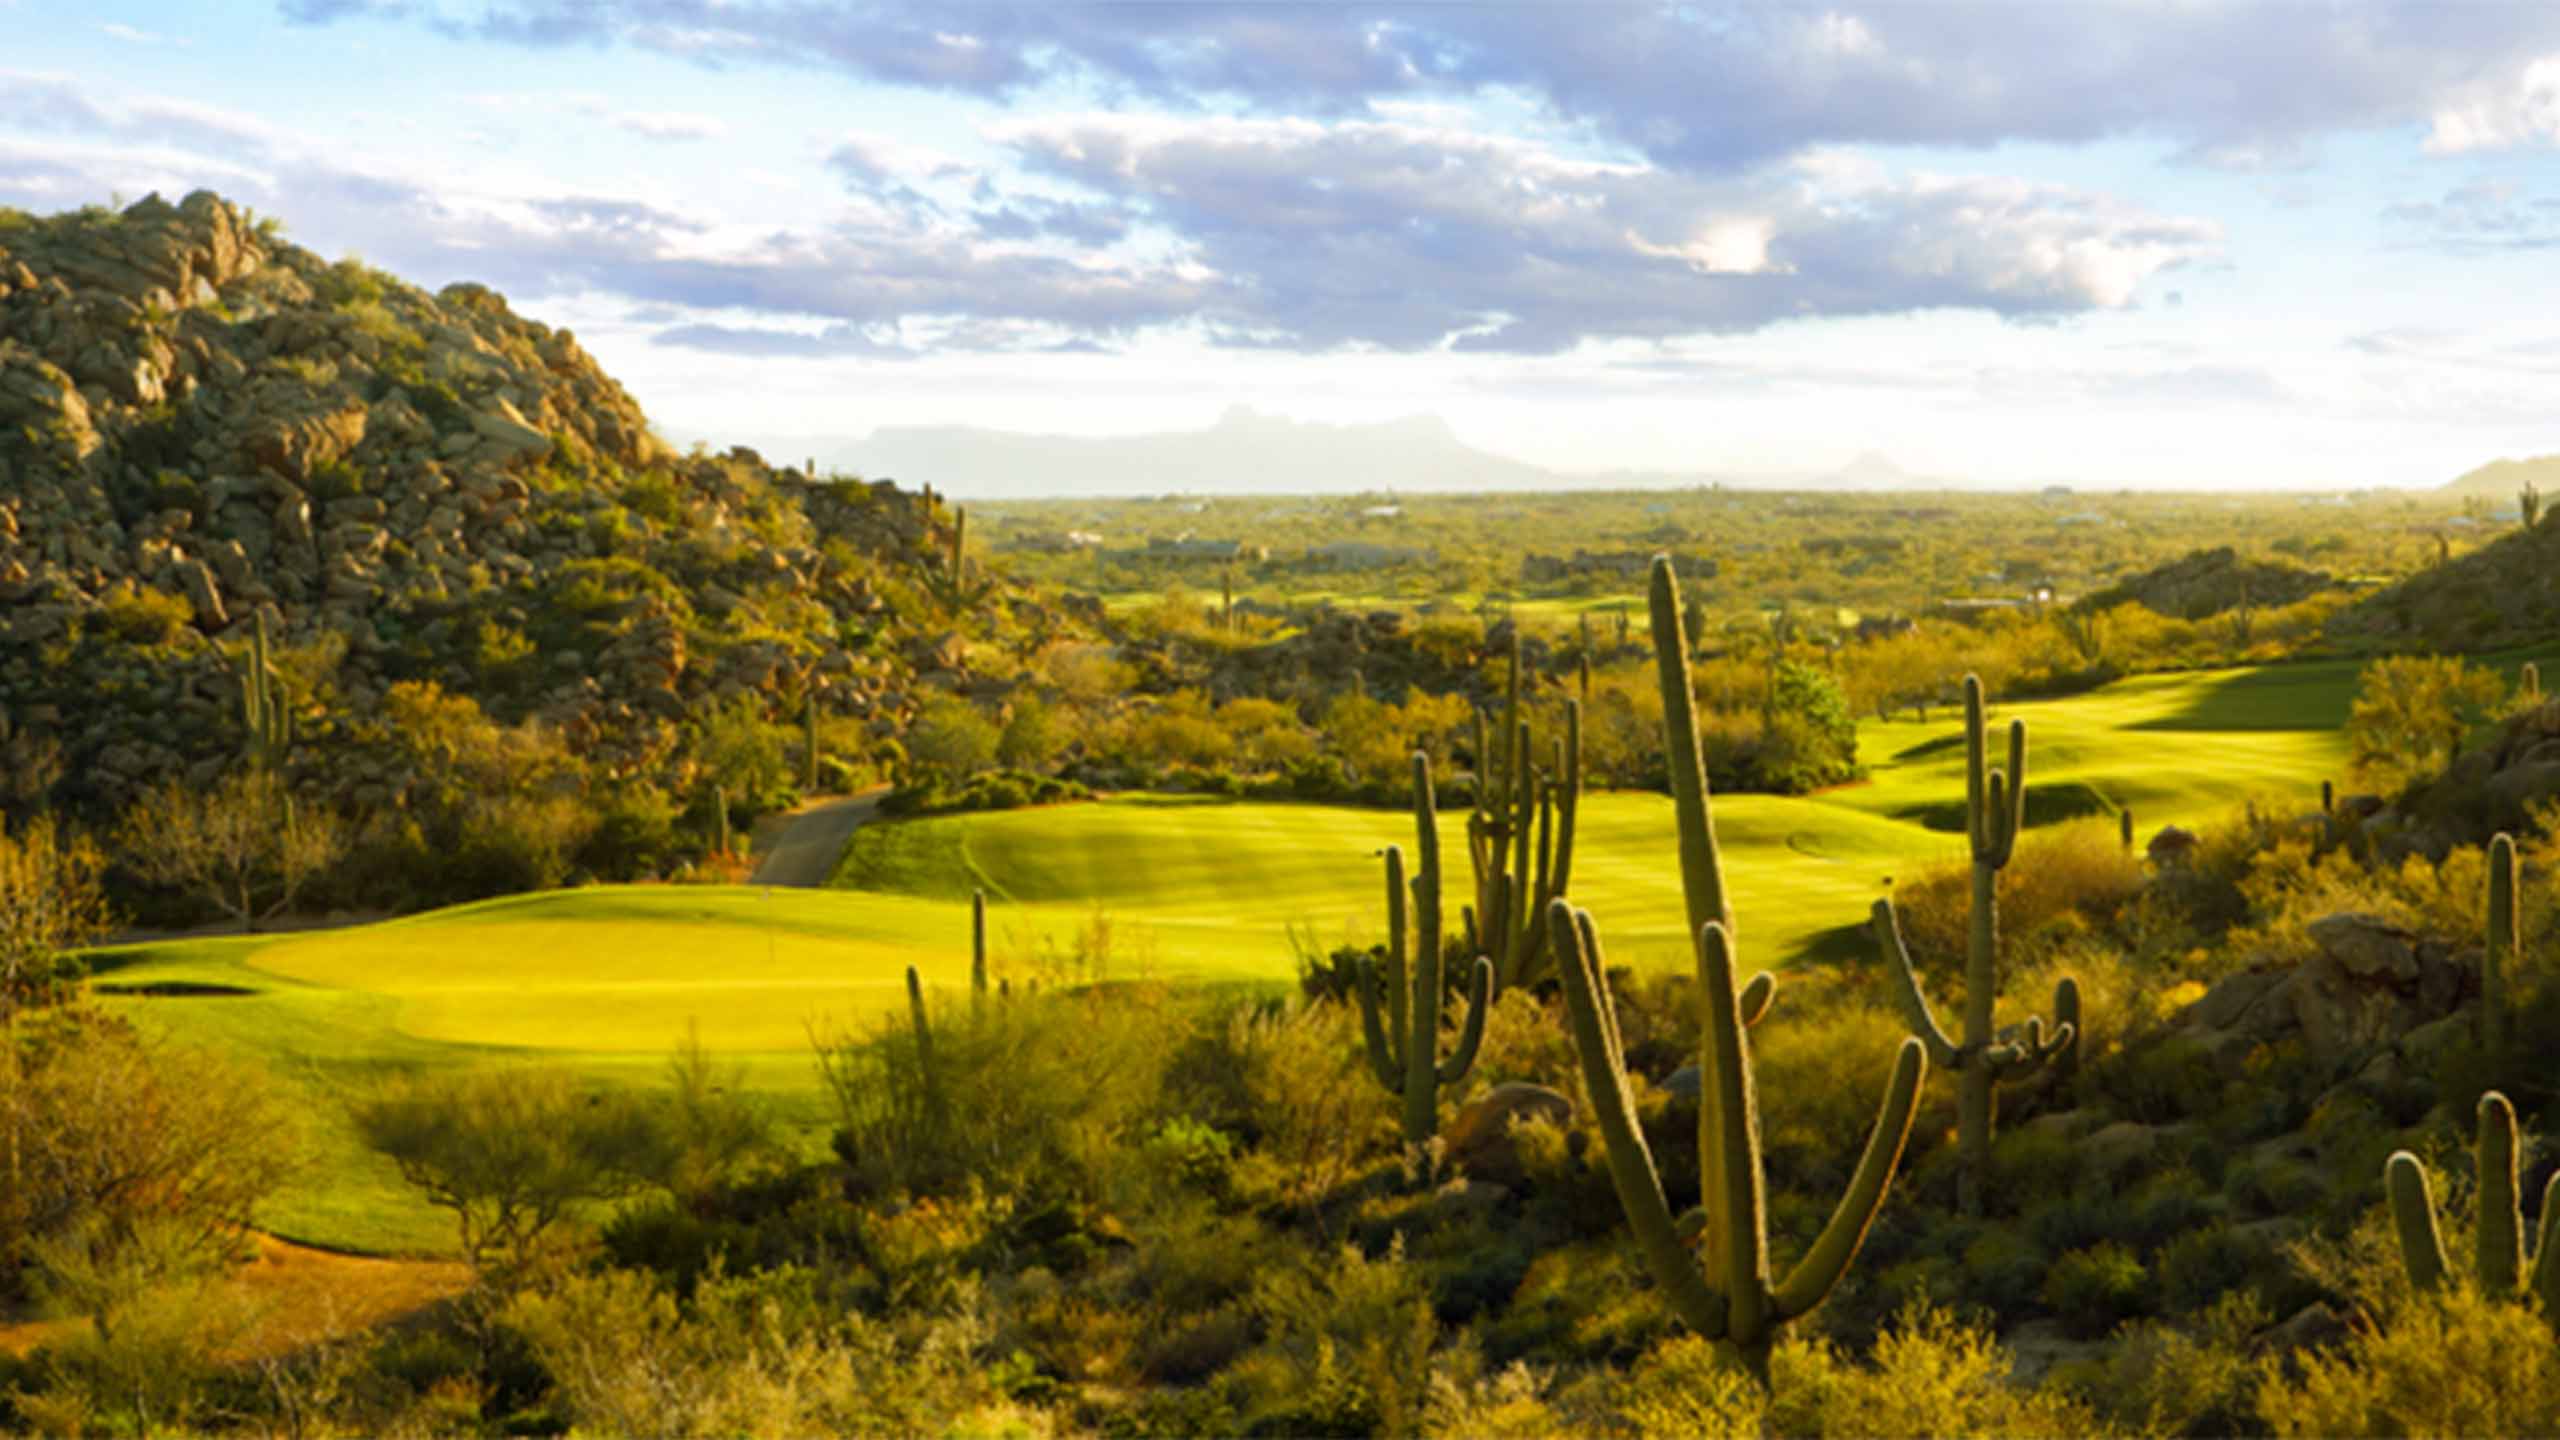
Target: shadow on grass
[176,989]
[2046,805]
[2311,696]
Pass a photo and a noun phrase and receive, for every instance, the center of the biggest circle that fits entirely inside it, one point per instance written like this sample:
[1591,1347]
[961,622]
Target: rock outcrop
[200,422]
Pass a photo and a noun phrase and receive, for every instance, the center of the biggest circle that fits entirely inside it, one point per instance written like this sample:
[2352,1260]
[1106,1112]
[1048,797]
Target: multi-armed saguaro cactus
[1995,810]
[2498,955]
[2498,1246]
[1404,1047]
[264,711]
[1732,1300]
[1520,838]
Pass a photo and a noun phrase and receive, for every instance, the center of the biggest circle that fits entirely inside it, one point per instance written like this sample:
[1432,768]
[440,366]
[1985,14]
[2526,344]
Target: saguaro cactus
[2498,954]
[2529,682]
[265,713]
[2124,828]
[1995,810]
[977,947]
[1404,1048]
[2498,1246]
[1520,837]
[1731,1301]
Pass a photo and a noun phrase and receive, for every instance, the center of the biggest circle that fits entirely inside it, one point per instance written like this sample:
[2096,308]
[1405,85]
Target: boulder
[2367,946]
[1478,1141]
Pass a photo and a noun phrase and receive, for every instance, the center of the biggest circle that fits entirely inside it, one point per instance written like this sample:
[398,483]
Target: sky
[2104,242]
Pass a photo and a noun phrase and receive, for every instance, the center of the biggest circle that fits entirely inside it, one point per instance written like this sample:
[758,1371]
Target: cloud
[1407,237]
[1704,88]
[2518,105]
[670,125]
[132,36]
[2479,217]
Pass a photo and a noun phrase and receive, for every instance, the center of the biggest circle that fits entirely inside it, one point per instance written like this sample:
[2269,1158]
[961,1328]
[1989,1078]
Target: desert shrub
[518,842]
[2095,1289]
[150,1360]
[633,835]
[1037,1097]
[1348,1348]
[2062,880]
[1510,1404]
[1808,738]
[1682,1388]
[952,738]
[1930,1375]
[516,1153]
[2411,712]
[1315,1109]
[767,1354]
[995,790]
[124,1150]
[2163,1379]
[140,615]
[2449,1364]
[52,899]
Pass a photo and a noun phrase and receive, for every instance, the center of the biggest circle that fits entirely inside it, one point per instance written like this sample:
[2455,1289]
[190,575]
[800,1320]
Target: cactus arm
[1837,1245]
[1977,766]
[1757,997]
[1631,1170]
[1471,1033]
[1734,1191]
[1396,951]
[1422,1013]
[2015,818]
[2500,1227]
[1383,1057]
[2546,1252]
[2413,1212]
[2498,955]
[2066,1025]
[1569,802]
[1915,1005]
[1701,868]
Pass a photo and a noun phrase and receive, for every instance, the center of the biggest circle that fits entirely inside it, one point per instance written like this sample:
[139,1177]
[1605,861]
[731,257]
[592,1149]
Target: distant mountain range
[2502,479]
[1249,452]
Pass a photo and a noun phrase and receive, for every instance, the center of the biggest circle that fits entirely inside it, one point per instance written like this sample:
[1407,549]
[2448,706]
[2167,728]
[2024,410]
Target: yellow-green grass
[607,980]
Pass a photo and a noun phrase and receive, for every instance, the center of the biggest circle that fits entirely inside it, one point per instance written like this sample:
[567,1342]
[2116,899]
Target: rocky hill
[200,423]
[2209,582]
[2505,593]
[2501,479]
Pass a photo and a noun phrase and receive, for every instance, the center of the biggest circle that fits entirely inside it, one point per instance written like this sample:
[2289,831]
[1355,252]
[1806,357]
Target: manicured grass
[607,980]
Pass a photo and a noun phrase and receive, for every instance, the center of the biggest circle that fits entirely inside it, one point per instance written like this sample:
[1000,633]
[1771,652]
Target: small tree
[243,844]
[513,1153]
[50,901]
[952,738]
[2411,713]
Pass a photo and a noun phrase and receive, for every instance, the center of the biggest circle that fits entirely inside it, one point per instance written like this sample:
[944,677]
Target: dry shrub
[2063,880]
[2452,1364]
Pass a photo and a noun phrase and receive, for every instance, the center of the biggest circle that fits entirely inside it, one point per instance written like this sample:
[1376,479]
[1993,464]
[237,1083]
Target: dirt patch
[297,1296]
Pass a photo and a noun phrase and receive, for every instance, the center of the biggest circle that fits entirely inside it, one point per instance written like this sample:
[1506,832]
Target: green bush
[2453,1364]
[2094,1290]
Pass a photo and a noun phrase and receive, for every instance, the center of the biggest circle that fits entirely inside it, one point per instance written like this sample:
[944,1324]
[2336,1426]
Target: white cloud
[2519,107]
[670,125]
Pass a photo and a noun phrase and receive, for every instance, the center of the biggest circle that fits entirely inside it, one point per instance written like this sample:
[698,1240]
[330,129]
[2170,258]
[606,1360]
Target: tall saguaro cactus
[2503,942]
[1731,1301]
[1520,837]
[977,947]
[1404,1047]
[2498,1247]
[265,713]
[1995,810]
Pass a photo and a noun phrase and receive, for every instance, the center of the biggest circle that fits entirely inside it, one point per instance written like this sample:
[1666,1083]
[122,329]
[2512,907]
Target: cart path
[804,848]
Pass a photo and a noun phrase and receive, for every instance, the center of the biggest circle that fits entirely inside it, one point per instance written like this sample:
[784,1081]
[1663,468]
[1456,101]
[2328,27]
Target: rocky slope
[2205,583]
[200,423]
[2505,593]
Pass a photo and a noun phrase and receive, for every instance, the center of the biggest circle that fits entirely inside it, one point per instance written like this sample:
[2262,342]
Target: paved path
[805,849]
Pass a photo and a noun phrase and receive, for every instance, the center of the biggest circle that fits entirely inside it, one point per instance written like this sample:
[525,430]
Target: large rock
[2367,946]
[1478,1142]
